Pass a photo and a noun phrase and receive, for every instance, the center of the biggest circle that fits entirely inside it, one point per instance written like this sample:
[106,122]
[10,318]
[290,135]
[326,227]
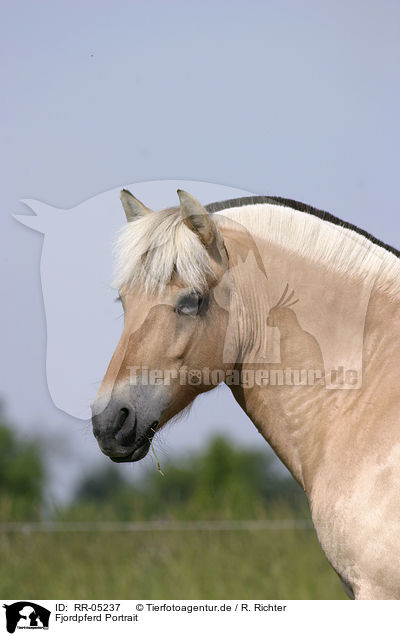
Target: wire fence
[158,526]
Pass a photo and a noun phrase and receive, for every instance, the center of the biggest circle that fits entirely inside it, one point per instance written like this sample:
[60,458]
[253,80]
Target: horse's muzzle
[120,434]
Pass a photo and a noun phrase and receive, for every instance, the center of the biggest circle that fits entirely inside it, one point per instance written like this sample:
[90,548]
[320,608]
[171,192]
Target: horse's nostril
[125,427]
[120,419]
[125,412]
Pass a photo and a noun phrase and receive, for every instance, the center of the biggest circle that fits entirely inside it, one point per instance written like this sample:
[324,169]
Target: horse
[205,291]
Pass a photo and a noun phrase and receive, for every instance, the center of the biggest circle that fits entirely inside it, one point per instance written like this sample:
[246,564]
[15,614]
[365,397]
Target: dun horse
[299,313]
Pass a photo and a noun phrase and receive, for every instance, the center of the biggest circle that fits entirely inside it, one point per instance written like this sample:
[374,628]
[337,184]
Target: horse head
[169,265]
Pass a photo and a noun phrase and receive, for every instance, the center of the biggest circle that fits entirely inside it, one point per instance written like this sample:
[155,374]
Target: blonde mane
[317,240]
[150,250]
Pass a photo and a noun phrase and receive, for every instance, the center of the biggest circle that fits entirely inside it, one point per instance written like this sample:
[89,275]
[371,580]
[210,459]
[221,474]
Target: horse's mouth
[139,450]
[132,456]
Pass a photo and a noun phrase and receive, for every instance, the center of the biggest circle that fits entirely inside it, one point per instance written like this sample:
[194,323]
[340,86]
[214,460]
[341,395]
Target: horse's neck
[338,327]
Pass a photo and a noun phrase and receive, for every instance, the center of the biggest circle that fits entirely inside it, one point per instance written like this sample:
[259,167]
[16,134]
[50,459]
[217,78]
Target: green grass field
[166,565]
[219,484]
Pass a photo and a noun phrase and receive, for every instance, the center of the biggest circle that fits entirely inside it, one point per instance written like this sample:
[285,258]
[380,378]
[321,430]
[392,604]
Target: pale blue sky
[294,98]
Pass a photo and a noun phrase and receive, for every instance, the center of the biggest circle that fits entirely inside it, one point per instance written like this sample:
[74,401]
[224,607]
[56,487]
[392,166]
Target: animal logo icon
[26,615]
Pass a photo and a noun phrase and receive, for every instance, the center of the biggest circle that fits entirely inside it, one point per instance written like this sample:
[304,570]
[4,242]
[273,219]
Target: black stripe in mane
[301,207]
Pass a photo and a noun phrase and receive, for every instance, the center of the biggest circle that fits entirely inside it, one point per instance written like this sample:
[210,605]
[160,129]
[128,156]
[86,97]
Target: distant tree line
[22,476]
[220,482]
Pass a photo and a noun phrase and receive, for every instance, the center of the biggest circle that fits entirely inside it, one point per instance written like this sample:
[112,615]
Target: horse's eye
[189,304]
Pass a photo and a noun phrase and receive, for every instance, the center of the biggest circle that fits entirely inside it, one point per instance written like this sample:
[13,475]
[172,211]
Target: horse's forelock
[150,250]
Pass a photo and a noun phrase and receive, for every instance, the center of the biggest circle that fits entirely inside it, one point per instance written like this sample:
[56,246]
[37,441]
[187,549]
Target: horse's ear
[196,217]
[134,209]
